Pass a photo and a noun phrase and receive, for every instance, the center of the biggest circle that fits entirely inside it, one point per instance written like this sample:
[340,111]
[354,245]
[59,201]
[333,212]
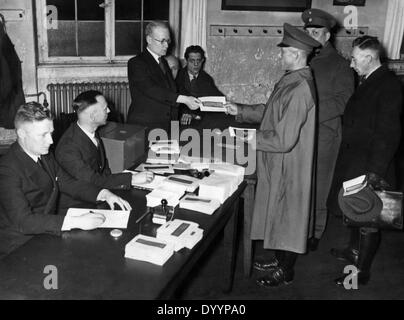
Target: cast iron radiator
[63,94]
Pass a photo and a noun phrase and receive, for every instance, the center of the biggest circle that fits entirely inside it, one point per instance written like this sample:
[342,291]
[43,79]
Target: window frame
[110,57]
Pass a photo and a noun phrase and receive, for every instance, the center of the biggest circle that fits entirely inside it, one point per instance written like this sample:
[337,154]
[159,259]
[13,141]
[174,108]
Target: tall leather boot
[369,242]
[283,274]
[351,252]
[271,264]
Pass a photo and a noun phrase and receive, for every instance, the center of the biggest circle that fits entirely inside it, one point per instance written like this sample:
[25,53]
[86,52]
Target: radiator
[63,94]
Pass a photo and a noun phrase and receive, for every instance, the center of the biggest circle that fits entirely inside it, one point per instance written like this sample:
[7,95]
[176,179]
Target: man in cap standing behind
[285,145]
[335,84]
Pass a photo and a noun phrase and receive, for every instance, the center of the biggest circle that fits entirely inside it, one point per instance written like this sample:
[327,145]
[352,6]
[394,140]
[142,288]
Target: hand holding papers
[354,185]
[243,134]
[109,218]
[213,104]
[139,178]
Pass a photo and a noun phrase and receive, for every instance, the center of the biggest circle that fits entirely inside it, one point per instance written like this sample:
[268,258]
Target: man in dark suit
[153,89]
[335,84]
[192,80]
[80,151]
[31,180]
[370,137]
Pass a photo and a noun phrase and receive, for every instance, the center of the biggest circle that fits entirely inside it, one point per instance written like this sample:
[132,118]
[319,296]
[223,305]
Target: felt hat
[363,206]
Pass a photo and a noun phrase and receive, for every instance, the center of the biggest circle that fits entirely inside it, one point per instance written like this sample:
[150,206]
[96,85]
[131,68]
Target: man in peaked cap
[335,84]
[285,144]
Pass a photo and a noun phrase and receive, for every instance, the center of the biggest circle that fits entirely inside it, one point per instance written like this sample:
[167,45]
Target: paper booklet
[113,218]
[248,133]
[199,204]
[213,104]
[354,185]
[149,249]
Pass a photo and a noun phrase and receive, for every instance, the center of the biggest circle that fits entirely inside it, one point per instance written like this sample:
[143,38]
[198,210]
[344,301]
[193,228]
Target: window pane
[65,8]
[128,38]
[91,38]
[90,10]
[156,9]
[61,41]
[128,9]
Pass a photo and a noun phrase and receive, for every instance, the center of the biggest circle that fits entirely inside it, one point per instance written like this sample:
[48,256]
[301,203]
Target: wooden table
[91,264]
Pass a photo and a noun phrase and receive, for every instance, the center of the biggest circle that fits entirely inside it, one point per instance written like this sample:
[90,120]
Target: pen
[142,217]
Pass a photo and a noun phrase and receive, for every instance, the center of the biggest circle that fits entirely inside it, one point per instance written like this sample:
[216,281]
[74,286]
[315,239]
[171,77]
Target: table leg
[230,247]
[248,196]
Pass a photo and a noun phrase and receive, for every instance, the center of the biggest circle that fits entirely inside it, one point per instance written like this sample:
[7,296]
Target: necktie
[42,164]
[362,79]
[193,84]
[161,65]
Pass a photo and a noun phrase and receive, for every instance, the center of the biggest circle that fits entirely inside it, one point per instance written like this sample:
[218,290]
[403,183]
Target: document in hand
[243,133]
[181,233]
[155,183]
[200,204]
[149,249]
[354,185]
[213,104]
[113,218]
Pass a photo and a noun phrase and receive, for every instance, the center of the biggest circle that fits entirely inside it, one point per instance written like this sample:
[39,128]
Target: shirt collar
[89,134]
[191,76]
[155,56]
[368,75]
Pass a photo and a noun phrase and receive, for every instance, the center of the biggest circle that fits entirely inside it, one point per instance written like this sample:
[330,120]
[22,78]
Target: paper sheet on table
[151,185]
[213,104]
[113,218]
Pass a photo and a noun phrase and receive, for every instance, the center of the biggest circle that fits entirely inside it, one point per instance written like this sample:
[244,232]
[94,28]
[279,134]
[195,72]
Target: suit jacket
[29,197]
[79,157]
[370,133]
[153,93]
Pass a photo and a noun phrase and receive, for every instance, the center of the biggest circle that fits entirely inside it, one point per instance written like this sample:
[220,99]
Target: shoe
[266,265]
[347,254]
[312,244]
[362,278]
[277,277]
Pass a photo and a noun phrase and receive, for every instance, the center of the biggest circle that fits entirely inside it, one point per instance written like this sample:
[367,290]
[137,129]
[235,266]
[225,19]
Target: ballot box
[124,144]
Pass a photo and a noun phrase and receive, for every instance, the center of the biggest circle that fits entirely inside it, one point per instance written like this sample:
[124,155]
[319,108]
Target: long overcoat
[285,156]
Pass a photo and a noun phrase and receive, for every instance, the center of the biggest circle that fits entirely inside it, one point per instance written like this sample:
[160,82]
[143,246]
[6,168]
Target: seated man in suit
[192,80]
[80,151]
[31,181]
[152,87]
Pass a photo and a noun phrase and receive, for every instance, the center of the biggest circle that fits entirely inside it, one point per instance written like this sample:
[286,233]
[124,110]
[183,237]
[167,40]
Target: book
[354,185]
[180,233]
[213,104]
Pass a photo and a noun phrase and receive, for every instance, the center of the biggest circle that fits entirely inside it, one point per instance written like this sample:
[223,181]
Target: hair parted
[30,112]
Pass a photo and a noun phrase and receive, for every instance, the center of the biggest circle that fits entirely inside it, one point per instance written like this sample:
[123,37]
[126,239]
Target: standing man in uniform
[152,87]
[334,81]
[285,144]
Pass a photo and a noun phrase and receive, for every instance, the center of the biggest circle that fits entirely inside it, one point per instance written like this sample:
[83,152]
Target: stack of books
[218,186]
[149,249]
[181,233]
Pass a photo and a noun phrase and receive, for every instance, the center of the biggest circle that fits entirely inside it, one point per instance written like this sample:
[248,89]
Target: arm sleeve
[71,160]
[250,113]
[18,210]
[140,78]
[387,133]
[343,89]
[286,132]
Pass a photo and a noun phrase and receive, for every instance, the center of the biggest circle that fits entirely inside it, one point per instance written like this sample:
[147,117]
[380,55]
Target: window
[96,31]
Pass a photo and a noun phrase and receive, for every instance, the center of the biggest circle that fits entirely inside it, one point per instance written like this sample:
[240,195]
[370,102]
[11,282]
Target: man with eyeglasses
[370,137]
[153,89]
[194,81]
[335,84]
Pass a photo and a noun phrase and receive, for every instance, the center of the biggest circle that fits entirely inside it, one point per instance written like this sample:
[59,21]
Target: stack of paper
[218,186]
[156,168]
[229,169]
[178,180]
[180,233]
[200,204]
[113,218]
[164,146]
[149,249]
[172,195]
[213,104]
